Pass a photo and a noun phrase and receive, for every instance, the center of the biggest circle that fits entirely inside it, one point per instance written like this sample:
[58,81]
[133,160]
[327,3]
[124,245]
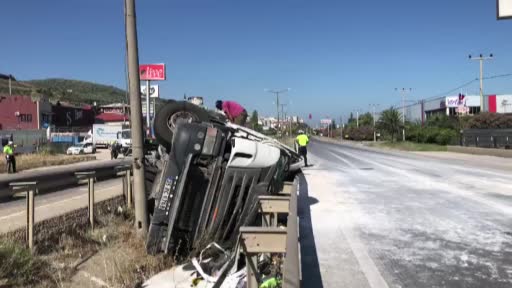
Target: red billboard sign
[152,71]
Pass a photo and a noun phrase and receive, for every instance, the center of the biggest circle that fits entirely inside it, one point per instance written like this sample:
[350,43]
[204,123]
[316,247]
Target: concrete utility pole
[357,118]
[141,215]
[10,88]
[403,92]
[373,116]
[277,92]
[481,59]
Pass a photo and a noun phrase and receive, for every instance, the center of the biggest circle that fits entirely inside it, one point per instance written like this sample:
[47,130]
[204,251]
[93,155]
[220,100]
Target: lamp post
[481,59]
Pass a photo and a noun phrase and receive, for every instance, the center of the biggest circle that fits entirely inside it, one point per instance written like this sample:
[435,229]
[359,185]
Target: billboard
[504,9]
[152,71]
[326,121]
[154,91]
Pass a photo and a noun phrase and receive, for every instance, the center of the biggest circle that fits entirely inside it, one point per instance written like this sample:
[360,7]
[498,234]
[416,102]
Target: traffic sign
[152,71]
[154,91]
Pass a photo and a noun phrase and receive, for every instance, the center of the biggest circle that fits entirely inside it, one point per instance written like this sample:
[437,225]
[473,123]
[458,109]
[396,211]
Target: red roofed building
[112,117]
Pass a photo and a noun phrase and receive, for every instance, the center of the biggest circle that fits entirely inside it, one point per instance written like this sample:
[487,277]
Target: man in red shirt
[234,111]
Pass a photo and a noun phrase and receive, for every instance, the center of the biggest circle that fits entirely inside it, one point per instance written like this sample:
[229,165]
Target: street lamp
[277,92]
[481,58]
[403,92]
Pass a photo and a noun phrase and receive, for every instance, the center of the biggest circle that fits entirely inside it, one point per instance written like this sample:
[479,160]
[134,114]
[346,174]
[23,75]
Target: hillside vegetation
[73,91]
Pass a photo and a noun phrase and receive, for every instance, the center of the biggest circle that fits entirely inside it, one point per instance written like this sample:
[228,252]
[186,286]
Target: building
[68,117]
[119,108]
[19,112]
[457,105]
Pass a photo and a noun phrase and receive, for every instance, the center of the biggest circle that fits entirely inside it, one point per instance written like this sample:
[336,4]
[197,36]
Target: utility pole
[10,88]
[481,58]
[357,118]
[141,215]
[341,126]
[277,92]
[403,92]
[373,116]
[284,120]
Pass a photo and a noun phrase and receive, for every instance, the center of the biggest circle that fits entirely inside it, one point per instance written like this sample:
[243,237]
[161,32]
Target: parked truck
[103,135]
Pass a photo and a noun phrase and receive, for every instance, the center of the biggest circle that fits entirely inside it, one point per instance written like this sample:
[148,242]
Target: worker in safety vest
[9,157]
[302,144]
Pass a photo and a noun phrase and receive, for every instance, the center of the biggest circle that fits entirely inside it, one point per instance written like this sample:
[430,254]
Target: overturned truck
[204,182]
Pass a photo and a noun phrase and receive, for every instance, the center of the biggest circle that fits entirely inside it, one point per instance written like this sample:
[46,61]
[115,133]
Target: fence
[487,138]
[26,141]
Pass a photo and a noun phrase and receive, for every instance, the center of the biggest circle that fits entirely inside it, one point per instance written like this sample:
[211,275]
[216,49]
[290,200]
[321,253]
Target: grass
[409,146]
[31,161]
[113,253]
[19,268]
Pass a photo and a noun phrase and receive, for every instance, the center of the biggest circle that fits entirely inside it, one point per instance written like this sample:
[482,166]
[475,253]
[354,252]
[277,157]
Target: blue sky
[336,56]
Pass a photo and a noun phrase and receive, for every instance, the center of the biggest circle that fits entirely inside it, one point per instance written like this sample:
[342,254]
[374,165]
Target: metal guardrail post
[129,188]
[271,206]
[291,273]
[256,240]
[30,188]
[90,182]
[126,172]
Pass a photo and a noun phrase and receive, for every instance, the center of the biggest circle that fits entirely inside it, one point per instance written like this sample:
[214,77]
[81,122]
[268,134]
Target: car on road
[82,148]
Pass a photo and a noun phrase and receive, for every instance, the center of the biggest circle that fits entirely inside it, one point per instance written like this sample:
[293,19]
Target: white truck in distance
[103,135]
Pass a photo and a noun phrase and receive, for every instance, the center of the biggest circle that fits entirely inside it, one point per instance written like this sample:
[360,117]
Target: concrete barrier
[58,177]
[481,151]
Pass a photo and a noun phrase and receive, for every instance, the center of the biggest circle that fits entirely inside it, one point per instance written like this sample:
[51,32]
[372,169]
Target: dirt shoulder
[26,162]
[69,254]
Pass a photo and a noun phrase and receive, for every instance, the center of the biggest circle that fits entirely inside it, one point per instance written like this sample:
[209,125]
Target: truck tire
[171,114]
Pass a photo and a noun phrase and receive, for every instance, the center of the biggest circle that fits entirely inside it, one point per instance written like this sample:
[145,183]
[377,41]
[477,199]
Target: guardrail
[58,177]
[32,187]
[273,239]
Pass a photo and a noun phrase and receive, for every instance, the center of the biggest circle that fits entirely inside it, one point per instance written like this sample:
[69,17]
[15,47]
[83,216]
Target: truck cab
[124,137]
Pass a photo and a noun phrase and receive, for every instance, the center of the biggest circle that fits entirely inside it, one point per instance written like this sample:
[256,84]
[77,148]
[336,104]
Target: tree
[254,119]
[389,122]
[366,119]
[351,119]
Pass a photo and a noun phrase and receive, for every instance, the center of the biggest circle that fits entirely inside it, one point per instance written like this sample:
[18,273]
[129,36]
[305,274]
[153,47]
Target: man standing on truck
[9,157]
[302,141]
[234,111]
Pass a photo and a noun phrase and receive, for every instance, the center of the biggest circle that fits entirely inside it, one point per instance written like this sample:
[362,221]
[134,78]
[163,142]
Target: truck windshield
[126,134]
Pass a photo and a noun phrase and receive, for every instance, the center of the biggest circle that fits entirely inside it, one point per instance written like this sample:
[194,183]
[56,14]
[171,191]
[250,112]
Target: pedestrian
[9,157]
[302,141]
[114,150]
[234,111]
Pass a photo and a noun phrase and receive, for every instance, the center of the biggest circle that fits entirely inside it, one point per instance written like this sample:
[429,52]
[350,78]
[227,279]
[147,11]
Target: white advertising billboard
[504,9]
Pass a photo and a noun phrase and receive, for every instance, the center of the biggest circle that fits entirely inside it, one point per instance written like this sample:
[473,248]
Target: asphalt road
[13,213]
[380,219]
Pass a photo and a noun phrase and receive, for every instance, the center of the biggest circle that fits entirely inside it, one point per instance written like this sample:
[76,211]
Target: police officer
[9,157]
[302,141]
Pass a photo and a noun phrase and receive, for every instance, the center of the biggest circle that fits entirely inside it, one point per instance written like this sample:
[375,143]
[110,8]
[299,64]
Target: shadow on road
[311,276]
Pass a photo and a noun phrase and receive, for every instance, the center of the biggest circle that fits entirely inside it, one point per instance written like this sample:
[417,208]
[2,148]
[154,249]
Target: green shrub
[19,267]
[446,136]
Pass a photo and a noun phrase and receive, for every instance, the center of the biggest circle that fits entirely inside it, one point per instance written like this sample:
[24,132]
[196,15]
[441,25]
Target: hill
[73,91]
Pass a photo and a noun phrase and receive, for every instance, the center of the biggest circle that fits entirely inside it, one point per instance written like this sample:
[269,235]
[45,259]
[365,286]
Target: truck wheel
[173,113]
